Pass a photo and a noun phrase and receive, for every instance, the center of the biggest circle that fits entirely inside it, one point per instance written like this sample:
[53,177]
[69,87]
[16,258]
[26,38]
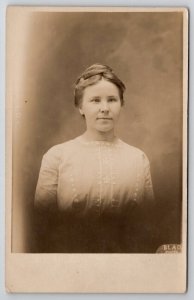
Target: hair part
[91,76]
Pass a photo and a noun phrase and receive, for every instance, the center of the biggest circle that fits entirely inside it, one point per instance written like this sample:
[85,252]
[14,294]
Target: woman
[100,186]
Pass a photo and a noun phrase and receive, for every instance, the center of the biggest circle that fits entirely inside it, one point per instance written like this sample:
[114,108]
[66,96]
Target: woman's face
[101,106]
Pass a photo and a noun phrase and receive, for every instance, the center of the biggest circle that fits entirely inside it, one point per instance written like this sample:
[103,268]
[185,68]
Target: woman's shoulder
[133,151]
[131,148]
[57,150]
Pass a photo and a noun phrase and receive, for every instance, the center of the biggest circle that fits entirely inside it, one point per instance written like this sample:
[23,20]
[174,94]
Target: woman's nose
[104,107]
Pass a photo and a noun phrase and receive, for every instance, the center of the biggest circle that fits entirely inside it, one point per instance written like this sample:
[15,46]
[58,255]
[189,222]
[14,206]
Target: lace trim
[106,174]
[115,142]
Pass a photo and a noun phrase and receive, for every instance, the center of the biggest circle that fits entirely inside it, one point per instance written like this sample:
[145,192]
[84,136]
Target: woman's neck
[98,136]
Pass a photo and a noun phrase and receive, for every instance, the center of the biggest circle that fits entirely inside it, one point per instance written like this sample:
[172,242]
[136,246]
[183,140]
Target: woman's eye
[112,99]
[95,100]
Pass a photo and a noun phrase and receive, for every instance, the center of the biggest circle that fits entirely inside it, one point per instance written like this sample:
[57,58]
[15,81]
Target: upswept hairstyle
[92,75]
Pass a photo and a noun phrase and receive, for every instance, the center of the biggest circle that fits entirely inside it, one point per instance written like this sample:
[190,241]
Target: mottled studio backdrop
[145,50]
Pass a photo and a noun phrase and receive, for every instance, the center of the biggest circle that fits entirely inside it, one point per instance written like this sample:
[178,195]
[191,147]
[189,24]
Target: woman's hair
[92,75]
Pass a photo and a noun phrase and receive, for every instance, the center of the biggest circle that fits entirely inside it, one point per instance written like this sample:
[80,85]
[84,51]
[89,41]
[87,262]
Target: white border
[191,160]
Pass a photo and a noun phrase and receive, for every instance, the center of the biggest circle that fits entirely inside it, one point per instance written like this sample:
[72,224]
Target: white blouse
[95,176]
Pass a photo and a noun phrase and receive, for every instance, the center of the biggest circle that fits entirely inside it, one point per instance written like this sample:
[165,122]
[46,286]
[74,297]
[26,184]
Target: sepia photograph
[97,137]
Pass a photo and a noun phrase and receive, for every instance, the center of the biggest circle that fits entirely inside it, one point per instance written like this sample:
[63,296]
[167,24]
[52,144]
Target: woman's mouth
[104,118]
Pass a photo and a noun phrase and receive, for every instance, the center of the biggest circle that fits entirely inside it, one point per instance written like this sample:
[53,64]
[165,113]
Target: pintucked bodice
[94,177]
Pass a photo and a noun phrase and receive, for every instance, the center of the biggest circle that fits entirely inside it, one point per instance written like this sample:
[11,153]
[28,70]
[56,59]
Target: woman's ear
[81,111]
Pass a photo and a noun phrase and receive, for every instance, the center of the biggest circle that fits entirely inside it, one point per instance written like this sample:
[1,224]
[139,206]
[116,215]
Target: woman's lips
[104,118]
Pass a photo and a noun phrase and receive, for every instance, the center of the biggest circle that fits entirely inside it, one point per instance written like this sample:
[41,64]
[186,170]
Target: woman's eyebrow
[94,97]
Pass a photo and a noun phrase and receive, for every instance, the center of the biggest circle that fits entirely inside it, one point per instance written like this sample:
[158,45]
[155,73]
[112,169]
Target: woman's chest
[103,175]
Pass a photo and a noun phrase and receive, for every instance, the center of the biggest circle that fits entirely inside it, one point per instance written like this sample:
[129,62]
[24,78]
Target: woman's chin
[104,128]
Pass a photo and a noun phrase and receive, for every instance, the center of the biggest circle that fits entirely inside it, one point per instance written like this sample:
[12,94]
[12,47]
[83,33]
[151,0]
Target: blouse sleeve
[46,190]
[144,227]
[147,181]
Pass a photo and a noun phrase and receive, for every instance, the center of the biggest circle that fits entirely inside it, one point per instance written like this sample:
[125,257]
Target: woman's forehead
[102,87]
